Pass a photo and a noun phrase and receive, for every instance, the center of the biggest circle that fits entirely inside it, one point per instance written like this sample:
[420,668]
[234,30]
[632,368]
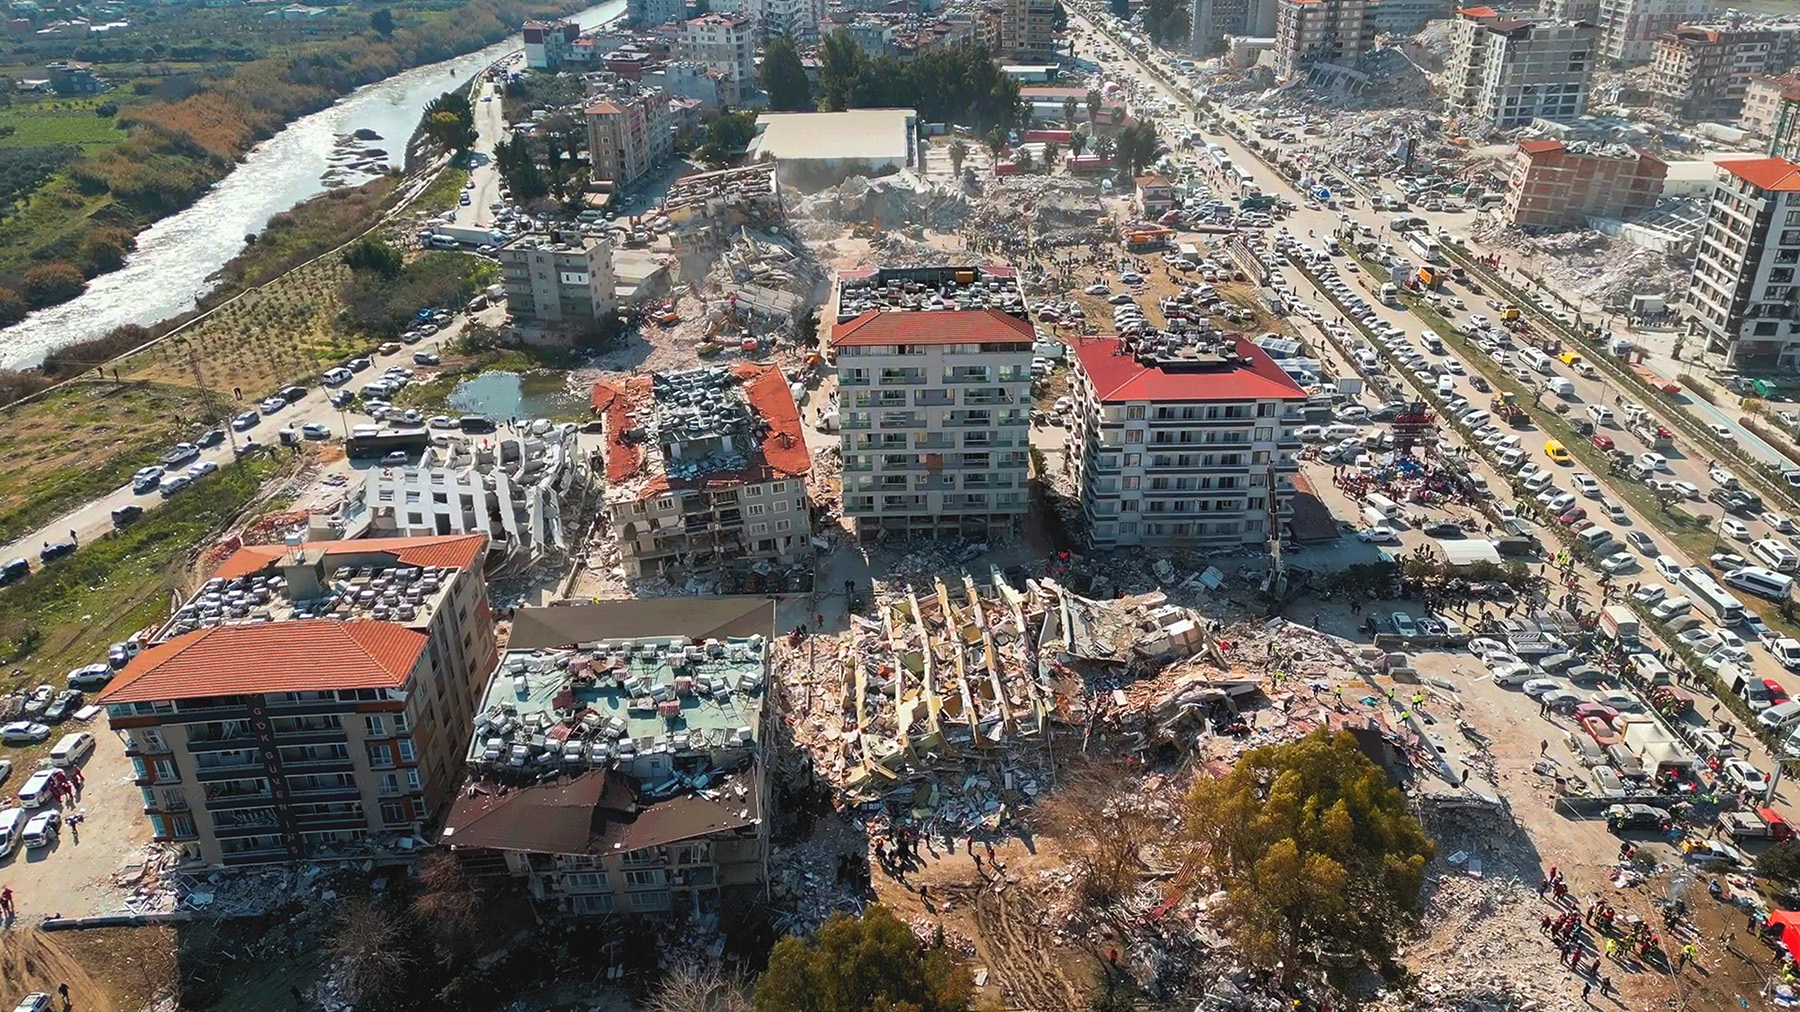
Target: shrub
[49,284]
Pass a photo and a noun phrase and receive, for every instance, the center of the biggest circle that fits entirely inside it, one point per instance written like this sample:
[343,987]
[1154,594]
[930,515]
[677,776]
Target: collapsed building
[616,762]
[515,489]
[706,472]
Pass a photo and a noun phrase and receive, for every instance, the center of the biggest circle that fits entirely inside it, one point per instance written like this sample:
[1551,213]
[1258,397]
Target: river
[177,255]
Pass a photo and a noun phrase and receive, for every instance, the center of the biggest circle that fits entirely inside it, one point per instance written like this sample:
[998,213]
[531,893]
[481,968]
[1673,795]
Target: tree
[12,306]
[687,988]
[518,166]
[373,255]
[1078,142]
[383,22]
[370,950]
[1093,104]
[783,76]
[958,151]
[1051,153]
[449,120]
[996,142]
[1069,108]
[839,59]
[1094,815]
[1166,21]
[1024,160]
[858,964]
[105,249]
[50,283]
[1105,147]
[1138,146]
[1121,9]
[449,907]
[1314,851]
[727,136]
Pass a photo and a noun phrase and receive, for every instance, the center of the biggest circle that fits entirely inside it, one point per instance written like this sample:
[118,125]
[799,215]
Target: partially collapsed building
[706,471]
[617,757]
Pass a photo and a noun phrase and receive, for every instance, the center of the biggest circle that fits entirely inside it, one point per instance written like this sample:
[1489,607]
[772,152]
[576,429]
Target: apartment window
[393,811]
[778,488]
[760,528]
[584,882]
[646,878]
[400,725]
[784,525]
[375,726]
[754,509]
[665,504]
[412,780]
[1134,460]
[381,755]
[1134,412]
[754,491]
[781,505]
[406,750]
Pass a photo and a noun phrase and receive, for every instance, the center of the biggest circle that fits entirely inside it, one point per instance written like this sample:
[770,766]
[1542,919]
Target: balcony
[319,766]
[312,794]
[847,380]
[236,771]
[902,378]
[321,736]
[857,423]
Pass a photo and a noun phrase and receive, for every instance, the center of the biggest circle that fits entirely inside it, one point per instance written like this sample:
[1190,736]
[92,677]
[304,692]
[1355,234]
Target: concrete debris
[886,202]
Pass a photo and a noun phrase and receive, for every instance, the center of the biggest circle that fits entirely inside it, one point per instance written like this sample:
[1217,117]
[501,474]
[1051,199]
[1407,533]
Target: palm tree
[1024,160]
[1069,107]
[1105,146]
[1050,154]
[1093,104]
[996,142]
[958,152]
[1077,143]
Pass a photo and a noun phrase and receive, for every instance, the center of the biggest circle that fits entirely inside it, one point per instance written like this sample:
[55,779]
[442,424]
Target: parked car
[43,829]
[23,732]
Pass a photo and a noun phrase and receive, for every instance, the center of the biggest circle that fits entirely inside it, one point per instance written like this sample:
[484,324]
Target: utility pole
[206,394]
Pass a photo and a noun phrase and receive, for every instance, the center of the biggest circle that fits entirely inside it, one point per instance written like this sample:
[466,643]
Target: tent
[1788,923]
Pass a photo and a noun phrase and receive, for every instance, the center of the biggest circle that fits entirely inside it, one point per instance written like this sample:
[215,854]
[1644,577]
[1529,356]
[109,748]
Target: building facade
[1629,28]
[1182,443]
[706,471]
[558,279]
[1743,296]
[1321,31]
[795,19]
[935,403]
[1784,135]
[726,43]
[1404,17]
[1557,185]
[1569,10]
[1026,32]
[1763,99]
[629,134]
[1701,72]
[309,701]
[651,13]
[617,763]
[548,44]
[1510,72]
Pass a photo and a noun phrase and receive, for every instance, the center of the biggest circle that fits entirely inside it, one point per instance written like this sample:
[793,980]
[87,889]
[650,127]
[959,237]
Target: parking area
[74,875]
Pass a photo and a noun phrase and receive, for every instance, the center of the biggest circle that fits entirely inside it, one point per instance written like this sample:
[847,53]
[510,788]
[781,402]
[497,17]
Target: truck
[1655,436]
[1762,824]
[1620,623]
[1506,407]
[465,235]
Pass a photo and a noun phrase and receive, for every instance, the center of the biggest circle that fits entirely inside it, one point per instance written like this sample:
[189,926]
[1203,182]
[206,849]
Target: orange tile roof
[938,326]
[784,445]
[233,660]
[457,551]
[1777,174]
[604,109]
[1540,147]
[1478,12]
[784,453]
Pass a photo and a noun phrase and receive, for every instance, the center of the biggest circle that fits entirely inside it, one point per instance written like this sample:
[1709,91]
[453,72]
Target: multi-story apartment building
[705,470]
[1784,133]
[795,19]
[934,393]
[1557,185]
[1182,441]
[1629,28]
[1321,31]
[1763,100]
[1405,17]
[1743,298]
[309,700]
[1569,10]
[726,43]
[1703,72]
[629,134]
[558,278]
[617,763]
[1511,72]
[1025,30]
[652,13]
[549,43]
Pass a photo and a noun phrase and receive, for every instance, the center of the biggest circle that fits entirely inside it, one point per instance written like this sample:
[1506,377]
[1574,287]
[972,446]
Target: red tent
[1789,923]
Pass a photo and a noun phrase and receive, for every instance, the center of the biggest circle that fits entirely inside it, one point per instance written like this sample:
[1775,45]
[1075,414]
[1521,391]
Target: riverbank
[176,151]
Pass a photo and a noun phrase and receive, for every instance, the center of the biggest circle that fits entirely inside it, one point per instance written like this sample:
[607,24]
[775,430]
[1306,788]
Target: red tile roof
[942,326]
[317,655]
[1766,173]
[457,551]
[1478,12]
[1119,377]
[1540,147]
[604,109]
[784,453]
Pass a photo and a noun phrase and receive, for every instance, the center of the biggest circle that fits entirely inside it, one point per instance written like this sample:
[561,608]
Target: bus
[1707,593]
[1429,250]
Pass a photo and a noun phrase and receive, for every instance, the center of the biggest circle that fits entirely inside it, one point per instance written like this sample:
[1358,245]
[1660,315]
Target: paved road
[1588,391]
[490,123]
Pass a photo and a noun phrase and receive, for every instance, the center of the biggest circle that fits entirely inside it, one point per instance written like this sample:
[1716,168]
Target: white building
[1743,295]
[1629,28]
[934,379]
[796,19]
[1309,32]
[813,150]
[1181,442]
[1510,72]
[726,43]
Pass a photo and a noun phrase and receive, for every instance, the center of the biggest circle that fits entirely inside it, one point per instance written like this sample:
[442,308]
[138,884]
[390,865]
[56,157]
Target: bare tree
[370,951]
[691,988]
[449,906]
[1095,818]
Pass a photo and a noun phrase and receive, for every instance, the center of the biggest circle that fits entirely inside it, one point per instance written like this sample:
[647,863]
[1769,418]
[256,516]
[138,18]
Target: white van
[1776,555]
[12,825]
[72,749]
[1382,504]
[1560,387]
[36,792]
[1761,582]
[1594,537]
[1600,413]
[1536,359]
[1671,607]
[1446,385]
[1513,459]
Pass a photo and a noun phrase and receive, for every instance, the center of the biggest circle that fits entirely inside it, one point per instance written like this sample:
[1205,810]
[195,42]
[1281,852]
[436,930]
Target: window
[584,882]
[412,780]
[381,755]
[783,525]
[376,726]
[594,903]
[665,504]
[778,488]
[754,509]
[393,811]
[406,750]
[650,878]
[1134,412]
[753,491]
[400,725]
[760,528]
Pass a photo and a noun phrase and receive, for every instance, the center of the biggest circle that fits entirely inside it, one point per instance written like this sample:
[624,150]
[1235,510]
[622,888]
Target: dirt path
[32,960]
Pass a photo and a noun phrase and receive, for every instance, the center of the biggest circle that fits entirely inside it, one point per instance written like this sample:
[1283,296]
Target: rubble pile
[157,882]
[887,202]
[1052,210]
[1597,267]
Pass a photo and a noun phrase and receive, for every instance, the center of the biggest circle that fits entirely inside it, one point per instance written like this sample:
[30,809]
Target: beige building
[726,43]
[1629,28]
[706,472]
[309,702]
[1557,185]
[629,134]
[1744,300]
[1025,30]
[934,392]
[1569,10]
[1510,72]
[1703,72]
[1764,97]
[558,278]
[617,764]
[1309,32]
[1182,444]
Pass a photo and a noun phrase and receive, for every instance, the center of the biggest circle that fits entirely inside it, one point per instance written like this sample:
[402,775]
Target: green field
[58,121]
